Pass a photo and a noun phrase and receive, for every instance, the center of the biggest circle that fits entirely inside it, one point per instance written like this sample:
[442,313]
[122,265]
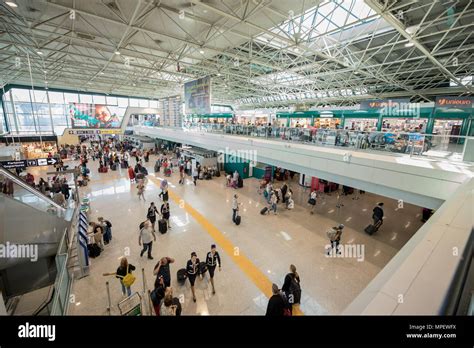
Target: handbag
[129,279]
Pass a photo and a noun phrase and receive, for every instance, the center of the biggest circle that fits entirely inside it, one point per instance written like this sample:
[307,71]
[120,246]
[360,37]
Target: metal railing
[451,147]
[63,282]
[41,202]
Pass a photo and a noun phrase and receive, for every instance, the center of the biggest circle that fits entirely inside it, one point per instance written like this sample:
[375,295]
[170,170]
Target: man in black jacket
[276,304]
[378,214]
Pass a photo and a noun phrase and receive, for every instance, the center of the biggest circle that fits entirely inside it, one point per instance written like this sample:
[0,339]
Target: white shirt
[273,199]
[313,195]
[235,203]
[146,235]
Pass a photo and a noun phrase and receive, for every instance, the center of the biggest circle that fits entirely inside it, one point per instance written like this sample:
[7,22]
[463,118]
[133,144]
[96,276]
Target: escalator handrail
[46,302]
[17,180]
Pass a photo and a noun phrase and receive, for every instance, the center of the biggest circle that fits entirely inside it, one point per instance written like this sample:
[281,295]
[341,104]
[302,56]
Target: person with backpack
[212,260]
[124,273]
[192,269]
[165,212]
[312,200]
[276,305]
[151,215]
[334,236]
[162,270]
[291,286]
[147,236]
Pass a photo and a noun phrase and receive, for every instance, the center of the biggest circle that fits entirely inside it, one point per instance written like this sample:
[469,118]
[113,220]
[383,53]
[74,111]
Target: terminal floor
[265,245]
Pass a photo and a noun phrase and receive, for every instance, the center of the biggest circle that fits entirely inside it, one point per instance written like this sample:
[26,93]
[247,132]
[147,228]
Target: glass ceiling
[328,16]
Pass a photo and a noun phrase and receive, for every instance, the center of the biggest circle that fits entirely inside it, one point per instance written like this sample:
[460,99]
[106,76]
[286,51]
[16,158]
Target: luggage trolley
[131,306]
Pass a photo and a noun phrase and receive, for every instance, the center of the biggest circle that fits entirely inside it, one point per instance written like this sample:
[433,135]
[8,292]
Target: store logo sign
[455,102]
[383,103]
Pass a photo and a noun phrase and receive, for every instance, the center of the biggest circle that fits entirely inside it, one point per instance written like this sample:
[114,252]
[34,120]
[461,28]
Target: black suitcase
[123,165]
[238,219]
[240,182]
[113,166]
[370,230]
[94,250]
[202,268]
[181,275]
[157,169]
[162,226]
[264,211]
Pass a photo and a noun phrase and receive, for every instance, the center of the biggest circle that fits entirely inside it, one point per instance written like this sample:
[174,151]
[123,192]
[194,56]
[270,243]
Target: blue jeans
[145,247]
[126,289]
[274,207]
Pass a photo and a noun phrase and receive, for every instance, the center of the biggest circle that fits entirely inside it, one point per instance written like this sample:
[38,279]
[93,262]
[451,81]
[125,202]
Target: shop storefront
[327,123]
[361,124]
[217,118]
[407,124]
[33,146]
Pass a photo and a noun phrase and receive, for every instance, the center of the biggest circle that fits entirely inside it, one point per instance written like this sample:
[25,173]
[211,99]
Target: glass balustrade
[450,147]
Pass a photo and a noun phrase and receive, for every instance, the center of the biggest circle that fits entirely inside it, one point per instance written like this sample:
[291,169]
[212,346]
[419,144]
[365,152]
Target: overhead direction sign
[37,162]
[94,131]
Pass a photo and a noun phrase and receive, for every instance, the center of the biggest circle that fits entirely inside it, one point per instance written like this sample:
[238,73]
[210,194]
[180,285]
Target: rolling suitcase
[181,275]
[264,211]
[113,166]
[370,230]
[240,182]
[202,268]
[123,165]
[238,219]
[162,226]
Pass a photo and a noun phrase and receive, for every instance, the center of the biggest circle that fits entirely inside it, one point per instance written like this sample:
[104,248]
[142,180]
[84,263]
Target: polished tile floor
[271,243]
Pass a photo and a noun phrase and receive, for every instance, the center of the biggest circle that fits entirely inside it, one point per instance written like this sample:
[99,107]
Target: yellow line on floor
[256,276]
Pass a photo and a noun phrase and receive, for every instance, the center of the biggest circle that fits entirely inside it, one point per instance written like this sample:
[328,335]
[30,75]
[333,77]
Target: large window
[28,111]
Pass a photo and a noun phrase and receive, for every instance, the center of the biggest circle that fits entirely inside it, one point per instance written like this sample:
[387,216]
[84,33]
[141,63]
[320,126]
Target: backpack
[331,234]
[108,224]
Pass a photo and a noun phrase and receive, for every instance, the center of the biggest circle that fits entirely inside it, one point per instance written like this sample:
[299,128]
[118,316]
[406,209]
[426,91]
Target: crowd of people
[112,153]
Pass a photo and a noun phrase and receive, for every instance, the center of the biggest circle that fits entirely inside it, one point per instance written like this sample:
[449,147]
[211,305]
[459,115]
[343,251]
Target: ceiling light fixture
[102,73]
[219,74]
[39,52]
[117,52]
[412,29]
[409,44]
[11,3]
[201,51]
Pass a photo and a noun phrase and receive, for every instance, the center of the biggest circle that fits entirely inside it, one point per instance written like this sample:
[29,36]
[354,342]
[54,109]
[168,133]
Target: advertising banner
[92,116]
[197,96]
[454,102]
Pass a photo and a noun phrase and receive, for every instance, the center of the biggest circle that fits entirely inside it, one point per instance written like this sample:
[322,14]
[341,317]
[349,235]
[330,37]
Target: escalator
[31,228]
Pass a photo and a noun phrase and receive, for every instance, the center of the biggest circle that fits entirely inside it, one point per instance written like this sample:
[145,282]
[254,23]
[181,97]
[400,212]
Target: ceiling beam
[397,25]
